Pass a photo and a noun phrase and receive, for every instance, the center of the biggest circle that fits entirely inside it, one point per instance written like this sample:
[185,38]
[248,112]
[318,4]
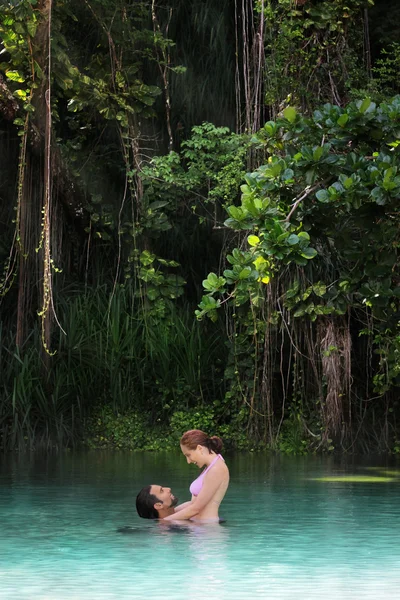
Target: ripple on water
[286,536]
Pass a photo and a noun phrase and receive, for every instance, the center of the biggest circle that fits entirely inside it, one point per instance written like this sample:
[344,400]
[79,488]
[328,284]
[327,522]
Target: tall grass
[37,408]
[113,354]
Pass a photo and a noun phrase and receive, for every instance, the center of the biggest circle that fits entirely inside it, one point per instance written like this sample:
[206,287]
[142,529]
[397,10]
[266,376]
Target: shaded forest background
[199,223]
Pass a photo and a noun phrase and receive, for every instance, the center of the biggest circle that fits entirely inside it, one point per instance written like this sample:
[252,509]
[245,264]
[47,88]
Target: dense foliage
[147,147]
[322,249]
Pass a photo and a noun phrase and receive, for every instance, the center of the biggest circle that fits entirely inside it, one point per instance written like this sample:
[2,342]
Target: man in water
[156,502]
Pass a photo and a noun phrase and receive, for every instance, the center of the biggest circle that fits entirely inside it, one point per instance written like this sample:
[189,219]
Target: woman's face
[195,456]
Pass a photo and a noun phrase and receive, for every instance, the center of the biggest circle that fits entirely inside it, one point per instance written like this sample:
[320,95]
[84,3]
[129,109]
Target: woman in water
[208,490]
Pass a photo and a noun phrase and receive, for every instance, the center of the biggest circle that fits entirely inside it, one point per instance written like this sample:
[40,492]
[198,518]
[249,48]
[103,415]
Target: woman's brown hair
[195,437]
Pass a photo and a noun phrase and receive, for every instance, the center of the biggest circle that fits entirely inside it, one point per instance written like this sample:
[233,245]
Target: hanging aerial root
[335,348]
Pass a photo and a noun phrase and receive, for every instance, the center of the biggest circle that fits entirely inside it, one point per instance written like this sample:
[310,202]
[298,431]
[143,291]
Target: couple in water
[208,490]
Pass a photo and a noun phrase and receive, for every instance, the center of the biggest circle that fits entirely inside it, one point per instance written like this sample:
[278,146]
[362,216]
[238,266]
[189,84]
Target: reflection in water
[211,530]
[287,534]
[214,531]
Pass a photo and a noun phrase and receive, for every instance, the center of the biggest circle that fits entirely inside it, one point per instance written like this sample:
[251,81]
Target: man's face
[164,495]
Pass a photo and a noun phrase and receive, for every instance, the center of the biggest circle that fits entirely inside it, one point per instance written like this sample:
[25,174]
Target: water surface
[287,534]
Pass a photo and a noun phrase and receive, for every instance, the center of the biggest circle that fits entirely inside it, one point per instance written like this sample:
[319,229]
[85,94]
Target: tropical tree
[314,293]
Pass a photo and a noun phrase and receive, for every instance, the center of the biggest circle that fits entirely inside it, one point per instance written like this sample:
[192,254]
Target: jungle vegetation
[199,223]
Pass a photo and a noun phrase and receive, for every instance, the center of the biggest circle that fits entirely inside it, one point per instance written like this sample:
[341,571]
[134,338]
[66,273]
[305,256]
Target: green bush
[182,421]
[122,431]
[131,430]
[292,438]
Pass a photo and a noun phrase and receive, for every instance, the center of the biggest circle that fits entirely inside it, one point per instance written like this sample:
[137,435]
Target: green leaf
[319,289]
[365,104]
[208,302]
[15,76]
[253,240]
[342,120]
[274,170]
[236,212]
[244,273]
[299,260]
[38,70]
[288,175]
[318,152]
[291,292]
[270,127]
[158,204]
[347,183]
[212,279]
[147,258]
[323,196]
[293,239]
[168,263]
[213,283]
[304,236]
[290,114]
[152,293]
[31,27]
[378,196]
[308,253]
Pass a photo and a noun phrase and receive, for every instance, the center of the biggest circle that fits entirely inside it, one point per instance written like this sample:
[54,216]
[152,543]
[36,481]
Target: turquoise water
[286,535]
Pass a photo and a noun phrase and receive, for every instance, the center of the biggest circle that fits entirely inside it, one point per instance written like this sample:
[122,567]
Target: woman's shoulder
[222,461]
[219,466]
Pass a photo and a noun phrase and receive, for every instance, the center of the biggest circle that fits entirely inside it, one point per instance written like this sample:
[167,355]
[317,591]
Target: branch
[309,190]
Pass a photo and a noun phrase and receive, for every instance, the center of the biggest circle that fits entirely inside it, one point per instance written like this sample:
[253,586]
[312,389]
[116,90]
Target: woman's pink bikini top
[197,484]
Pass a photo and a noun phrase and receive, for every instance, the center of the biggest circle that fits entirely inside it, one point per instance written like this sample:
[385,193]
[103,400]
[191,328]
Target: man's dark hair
[145,504]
